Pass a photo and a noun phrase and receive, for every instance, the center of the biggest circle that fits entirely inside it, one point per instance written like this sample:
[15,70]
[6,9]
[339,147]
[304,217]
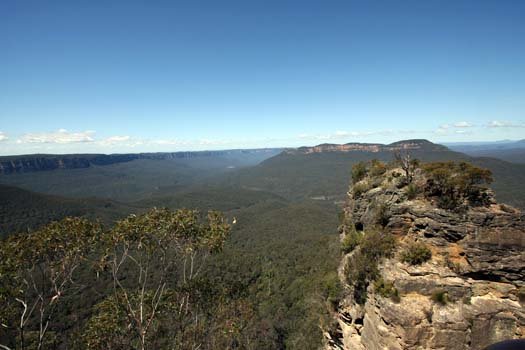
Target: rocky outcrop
[470,294]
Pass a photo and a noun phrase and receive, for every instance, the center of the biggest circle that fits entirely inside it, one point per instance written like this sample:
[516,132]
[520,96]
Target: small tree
[377,167]
[153,260]
[407,163]
[37,271]
[453,183]
[359,171]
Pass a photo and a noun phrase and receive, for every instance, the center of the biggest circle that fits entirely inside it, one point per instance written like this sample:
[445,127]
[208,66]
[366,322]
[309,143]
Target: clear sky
[128,76]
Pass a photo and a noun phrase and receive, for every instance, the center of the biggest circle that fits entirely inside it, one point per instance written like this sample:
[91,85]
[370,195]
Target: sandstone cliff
[468,291]
[416,144]
[44,162]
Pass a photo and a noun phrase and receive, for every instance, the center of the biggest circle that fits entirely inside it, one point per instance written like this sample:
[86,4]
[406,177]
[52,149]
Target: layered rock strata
[470,294]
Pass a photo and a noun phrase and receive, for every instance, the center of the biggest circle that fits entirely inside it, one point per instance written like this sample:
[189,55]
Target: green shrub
[375,181]
[412,191]
[416,254]
[351,241]
[440,297]
[382,214]
[360,188]
[332,289]
[359,172]
[377,244]
[454,183]
[362,268]
[387,290]
[377,168]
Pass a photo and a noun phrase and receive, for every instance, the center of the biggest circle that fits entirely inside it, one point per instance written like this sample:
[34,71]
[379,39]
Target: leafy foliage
[377,168]
[362,267]
[416,254]
[332,289]
[407,163]
[440,297]
[351,241]
[37,271]
[386,289]
[159,249]
[360,188]
[412,191]
[454,183]
[359,171]
[382,213]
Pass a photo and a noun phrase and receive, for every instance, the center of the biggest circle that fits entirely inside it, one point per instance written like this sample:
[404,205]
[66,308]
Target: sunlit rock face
[422,145]
[470,294]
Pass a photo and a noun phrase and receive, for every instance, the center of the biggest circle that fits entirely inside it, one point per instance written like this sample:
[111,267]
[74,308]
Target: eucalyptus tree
[153,260]
[37,271]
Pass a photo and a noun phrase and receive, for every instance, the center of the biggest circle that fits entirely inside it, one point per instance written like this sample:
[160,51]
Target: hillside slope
[21,210]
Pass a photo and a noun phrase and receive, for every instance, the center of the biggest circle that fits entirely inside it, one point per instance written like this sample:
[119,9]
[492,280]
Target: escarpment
[431,261]
[46,162]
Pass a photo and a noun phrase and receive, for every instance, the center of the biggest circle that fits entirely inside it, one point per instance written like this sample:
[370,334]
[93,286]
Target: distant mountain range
[487,144]
[511,151]
[407,145]
[320,171]
[43,162]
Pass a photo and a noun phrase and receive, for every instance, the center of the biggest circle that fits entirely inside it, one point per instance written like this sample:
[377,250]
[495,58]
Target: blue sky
[127,76]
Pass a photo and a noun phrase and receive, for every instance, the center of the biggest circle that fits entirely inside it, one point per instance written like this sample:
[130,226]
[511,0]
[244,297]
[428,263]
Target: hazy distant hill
[511,151]
[307,172]
[513,155]
[472,146]
[45,162]
[134,179]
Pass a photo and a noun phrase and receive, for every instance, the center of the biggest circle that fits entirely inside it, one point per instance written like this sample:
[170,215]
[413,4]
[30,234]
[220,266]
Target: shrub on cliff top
[453,183]
[360,188]
[359,172]
[412,191]
[377,168]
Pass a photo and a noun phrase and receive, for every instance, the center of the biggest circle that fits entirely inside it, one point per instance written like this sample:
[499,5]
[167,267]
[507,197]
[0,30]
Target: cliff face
[469,294]
[370,147]
[43,162]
